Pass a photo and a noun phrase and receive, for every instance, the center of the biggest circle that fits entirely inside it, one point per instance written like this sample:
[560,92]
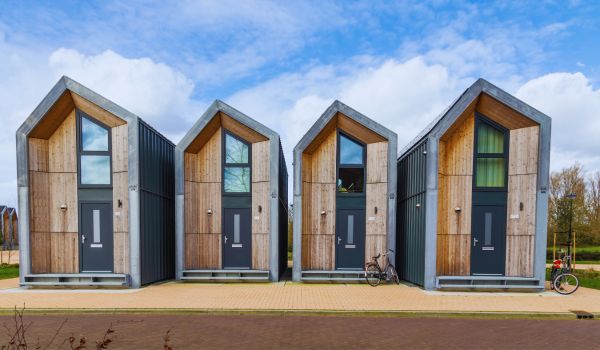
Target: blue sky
[283,63]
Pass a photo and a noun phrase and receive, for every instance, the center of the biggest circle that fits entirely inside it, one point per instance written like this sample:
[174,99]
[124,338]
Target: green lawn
[587,278]
[8,271]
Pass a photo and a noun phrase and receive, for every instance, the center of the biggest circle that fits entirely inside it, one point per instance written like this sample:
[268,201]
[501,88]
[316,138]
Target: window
[236,167]
[490,155]
[94,153]
[351,165]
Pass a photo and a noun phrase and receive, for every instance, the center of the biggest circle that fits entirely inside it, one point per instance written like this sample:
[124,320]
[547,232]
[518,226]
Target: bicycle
[562,280]
[374,274]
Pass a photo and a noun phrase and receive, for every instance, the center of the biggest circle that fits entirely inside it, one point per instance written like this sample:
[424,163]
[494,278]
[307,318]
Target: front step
[356,276]
[488,282]
[226,275]
[114,280]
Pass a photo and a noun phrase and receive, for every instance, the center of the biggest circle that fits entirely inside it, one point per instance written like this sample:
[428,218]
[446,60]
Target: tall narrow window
[236,167]
[490,155]
[94,152]
[351,165]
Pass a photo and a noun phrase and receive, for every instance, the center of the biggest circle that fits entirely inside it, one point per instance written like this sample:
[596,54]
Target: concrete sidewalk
[295,296]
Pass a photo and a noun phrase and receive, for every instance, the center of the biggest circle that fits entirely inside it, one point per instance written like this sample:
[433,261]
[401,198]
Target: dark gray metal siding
[157,205]
[283,213]
[410,225]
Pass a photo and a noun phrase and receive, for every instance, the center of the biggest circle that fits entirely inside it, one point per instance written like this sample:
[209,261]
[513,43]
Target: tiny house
[231,199]
[473,195]
[344,196]
[13,219]
[8,228]
[96,194]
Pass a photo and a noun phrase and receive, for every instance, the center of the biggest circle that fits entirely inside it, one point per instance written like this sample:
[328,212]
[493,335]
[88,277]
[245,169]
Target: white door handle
[339,239]
[475,242]
[225,239]
[82,239]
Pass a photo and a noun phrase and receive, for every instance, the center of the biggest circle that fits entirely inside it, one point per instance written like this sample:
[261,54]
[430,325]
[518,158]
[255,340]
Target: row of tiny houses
[8,228]
[106,200]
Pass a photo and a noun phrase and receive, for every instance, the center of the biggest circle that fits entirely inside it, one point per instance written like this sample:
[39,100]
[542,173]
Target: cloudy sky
[400,63]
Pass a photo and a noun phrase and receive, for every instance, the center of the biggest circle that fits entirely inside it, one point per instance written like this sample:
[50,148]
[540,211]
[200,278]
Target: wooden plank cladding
[202,181]
[261,208]
[455,172]
[522,189]
[318,207]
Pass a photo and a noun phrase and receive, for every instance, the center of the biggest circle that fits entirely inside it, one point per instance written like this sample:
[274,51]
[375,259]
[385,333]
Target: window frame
[224,163]
[80,152]
[481,119]
[339,165]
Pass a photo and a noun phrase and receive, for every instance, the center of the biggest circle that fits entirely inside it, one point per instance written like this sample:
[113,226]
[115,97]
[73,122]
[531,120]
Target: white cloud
[574,106]
[403,96]
[154,91]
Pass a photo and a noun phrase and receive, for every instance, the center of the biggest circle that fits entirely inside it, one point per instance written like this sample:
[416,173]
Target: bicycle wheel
[393,274]
[372,275]
[566,283]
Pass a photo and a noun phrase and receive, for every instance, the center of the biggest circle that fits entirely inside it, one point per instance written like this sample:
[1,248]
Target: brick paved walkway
[295,296]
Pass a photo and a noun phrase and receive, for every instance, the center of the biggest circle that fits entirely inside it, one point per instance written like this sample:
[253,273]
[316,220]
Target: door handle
[225,239]
[82,239]
[475,242]
[339,239]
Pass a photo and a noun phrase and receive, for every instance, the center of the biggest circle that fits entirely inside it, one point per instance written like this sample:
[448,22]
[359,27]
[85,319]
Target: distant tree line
[586,205]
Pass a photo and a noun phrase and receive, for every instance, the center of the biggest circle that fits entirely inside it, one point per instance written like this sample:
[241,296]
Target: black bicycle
[374,274]
[562,280]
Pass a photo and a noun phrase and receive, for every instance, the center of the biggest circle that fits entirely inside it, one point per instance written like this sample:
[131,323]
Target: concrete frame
[67,84]
[310,135]
[201,123]
[432,134]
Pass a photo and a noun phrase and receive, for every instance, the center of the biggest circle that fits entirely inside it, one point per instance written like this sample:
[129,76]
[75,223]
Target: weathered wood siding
[376,199]
[202,175]
[261,208]
[522,187]
[455,172]
[318,205]
[120,165]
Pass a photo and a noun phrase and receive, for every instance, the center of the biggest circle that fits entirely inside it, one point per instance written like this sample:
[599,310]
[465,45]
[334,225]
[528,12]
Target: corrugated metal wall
[157,205]
[410,225]
[283,213]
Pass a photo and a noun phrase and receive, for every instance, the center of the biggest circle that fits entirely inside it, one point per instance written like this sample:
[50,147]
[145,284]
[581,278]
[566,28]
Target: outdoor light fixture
[457,209]
[209,212]
[63,207]
[418,205]
[375,210]
[120,203]
[323,212]
[260,208]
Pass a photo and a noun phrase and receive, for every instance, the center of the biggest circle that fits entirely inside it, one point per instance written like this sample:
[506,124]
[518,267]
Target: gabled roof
[440,124]
[11,212]
[331,112]
[212,111]
[67,84]
[2,209]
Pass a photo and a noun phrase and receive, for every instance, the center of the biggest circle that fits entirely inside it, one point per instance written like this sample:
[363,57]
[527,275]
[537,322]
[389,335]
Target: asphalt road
[147,331]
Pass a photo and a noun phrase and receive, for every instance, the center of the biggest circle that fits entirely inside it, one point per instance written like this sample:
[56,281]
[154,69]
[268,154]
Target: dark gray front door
[488,240]
[96,237]
[237,238]
[350,239]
